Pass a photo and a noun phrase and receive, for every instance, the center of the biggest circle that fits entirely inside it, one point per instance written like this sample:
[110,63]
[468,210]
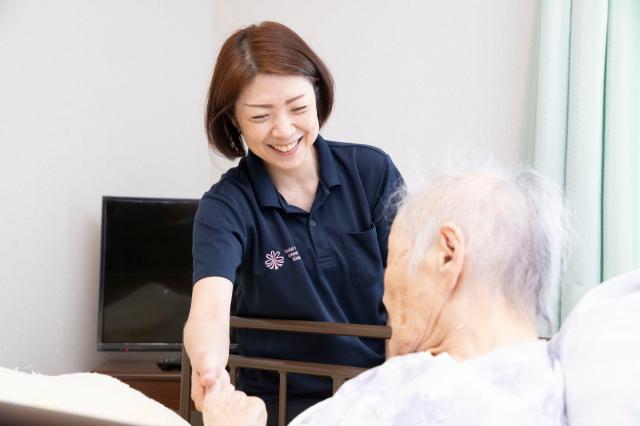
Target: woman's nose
[283,127]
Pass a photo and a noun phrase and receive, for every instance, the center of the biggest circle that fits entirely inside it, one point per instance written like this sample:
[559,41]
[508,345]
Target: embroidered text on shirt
[292,252]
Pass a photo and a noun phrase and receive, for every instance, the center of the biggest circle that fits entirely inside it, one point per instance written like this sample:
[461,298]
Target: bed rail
[338,373]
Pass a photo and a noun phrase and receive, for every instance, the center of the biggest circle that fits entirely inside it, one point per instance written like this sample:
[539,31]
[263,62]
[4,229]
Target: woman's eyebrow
[287,102]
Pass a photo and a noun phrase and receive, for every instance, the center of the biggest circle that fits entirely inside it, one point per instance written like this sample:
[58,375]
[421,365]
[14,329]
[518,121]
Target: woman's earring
[242,140]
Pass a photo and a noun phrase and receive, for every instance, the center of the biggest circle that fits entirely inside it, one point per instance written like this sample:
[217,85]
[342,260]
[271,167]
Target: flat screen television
[145,273]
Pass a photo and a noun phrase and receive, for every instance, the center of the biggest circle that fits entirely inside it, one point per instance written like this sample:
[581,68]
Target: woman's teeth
[285,148]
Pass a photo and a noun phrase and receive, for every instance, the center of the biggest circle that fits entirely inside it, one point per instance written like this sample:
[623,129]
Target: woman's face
[278,119]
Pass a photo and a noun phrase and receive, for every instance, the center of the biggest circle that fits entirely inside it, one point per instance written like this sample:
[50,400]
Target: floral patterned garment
[515,385]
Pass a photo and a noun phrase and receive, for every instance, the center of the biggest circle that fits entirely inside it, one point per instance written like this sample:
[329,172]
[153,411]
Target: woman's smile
[288,149]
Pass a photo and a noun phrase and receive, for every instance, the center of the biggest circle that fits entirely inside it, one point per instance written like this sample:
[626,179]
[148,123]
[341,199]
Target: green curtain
[587,127]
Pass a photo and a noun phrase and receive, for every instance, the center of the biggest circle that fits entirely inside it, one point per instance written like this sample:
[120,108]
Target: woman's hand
[225,406]
[208,374]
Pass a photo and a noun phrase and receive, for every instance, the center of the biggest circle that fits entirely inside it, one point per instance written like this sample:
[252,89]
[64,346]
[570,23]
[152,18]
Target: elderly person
[472,256]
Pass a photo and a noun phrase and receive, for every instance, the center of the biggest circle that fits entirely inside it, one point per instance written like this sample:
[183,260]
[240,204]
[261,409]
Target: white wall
[415,77]
[106,97]
[96,98]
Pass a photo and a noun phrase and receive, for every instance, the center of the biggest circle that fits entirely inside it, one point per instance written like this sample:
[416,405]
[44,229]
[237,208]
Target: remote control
[168,364]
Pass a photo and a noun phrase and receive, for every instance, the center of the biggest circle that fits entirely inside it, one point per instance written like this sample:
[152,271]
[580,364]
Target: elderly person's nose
[283,127]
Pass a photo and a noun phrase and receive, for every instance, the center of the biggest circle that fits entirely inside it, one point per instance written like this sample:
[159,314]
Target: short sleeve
[218,238]
[384,209]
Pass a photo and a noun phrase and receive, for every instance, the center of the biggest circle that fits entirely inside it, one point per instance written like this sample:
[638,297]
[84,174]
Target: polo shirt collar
[328,168]
[266,192]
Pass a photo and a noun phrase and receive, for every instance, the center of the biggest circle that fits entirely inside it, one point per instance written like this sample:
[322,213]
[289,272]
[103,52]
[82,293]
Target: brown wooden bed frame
[338,373]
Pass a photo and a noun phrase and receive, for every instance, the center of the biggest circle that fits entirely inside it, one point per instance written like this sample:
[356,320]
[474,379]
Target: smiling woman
[298,230]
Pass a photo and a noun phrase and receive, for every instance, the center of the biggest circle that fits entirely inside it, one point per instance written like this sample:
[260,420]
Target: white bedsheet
[88,394]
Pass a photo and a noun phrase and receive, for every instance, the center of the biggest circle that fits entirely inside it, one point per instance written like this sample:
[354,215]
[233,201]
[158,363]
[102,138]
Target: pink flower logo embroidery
[274,260]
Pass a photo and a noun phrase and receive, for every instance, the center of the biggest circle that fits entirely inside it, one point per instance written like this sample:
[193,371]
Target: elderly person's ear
[451,246]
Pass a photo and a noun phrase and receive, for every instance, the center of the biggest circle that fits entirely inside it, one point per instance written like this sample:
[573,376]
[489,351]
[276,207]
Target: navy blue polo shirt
[323,265]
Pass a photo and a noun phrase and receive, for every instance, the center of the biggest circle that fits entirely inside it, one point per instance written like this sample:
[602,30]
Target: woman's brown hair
[268,48]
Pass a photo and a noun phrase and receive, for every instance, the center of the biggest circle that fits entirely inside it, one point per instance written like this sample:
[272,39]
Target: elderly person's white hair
[515,221]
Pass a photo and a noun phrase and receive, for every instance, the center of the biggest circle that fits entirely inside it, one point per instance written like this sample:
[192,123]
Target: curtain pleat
[586,134]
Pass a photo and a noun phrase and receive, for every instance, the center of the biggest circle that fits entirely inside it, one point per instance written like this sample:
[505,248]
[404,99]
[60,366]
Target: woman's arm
[206,334]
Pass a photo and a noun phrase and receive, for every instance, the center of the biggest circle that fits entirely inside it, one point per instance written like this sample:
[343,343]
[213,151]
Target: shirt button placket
[312,235]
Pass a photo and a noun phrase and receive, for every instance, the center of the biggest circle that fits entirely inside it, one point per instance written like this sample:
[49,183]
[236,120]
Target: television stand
[147,377]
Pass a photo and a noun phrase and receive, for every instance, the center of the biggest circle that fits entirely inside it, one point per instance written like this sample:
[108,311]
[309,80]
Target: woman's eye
[259,117]
[299,109]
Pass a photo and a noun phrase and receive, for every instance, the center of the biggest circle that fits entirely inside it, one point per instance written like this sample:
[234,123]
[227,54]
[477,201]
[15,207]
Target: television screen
[146,266]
